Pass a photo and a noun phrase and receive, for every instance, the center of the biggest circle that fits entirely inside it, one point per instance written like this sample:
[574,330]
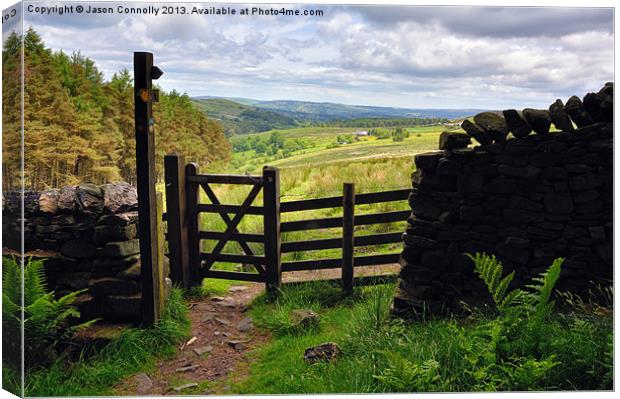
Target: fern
[34,281]
[543,290]
[490,270]
[46,321]
[11,280]
[523,311]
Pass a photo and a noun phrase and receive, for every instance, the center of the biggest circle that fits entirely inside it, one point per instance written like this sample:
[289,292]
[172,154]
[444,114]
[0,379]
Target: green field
[324,148]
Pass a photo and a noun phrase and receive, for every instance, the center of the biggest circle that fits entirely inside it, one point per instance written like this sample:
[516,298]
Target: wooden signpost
[151,264]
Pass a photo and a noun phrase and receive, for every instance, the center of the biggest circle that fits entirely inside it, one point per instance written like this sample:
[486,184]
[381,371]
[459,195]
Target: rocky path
[222,334]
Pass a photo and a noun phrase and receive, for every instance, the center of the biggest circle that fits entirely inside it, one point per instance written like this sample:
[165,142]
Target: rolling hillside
[238,119]
[325,112]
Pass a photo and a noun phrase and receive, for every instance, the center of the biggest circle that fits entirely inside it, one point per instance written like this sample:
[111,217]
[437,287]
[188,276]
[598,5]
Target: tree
[79,127]
[398,134]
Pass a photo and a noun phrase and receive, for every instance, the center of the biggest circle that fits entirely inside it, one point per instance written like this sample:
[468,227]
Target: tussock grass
[382,354]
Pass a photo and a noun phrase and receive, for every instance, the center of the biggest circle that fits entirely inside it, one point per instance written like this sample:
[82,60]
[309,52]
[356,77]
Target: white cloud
[397,56]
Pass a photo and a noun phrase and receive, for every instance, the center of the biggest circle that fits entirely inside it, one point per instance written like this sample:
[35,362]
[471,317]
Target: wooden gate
[189,264]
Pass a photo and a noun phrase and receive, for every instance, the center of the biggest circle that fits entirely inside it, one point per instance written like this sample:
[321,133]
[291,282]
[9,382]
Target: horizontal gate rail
[226,179]
[317,264]
[313,224]
[384,196]
[377,239]
[311,204]
[310,245]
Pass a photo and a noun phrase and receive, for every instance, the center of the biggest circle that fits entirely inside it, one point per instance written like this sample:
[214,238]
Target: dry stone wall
[527,199]
[87,235]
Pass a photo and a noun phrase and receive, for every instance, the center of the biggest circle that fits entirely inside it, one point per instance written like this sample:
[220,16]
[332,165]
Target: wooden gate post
[176,217]
[144,96]
[273,243]
[348,224]
[191,221]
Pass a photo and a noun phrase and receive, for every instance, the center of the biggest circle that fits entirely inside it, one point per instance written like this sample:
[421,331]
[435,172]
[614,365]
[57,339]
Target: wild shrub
[46,321]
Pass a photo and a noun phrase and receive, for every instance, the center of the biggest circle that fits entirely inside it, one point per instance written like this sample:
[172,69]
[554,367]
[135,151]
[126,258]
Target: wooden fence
[188,265]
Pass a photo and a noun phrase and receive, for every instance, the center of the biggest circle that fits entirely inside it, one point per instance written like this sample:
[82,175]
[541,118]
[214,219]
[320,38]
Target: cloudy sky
[423,57]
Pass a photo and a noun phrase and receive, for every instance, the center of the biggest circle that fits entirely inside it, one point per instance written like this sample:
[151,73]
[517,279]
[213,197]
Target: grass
[381,355]
[135,350]
[324,149]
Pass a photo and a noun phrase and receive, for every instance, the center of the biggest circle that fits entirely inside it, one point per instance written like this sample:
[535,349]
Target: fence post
[144,96]
[176,214]
[191,222]
[348,224]
[271,206]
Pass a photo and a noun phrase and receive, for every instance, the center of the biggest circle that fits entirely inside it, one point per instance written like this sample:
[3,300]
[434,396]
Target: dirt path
[222,337]
[222,334]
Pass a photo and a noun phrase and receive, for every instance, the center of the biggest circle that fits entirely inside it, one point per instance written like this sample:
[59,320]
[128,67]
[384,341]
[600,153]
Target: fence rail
[189,265]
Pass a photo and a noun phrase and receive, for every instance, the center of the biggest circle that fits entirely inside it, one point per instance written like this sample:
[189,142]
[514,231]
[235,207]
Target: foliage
[80,127]
[524,312]
[240,119]
[272,145]
[135,350]
[399,134]
[46,321]
[481,353]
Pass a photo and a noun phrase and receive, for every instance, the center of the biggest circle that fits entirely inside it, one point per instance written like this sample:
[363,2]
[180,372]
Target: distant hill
[237,118]
[315,112]
[245,115]
[331,111]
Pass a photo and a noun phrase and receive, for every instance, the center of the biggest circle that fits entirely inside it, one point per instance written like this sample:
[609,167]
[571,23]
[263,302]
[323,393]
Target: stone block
[539,120]
[493,124]
[124,307]
[476,132]
[574,108]
[119,197]
[516,123]
[418,241]
[112,286]
[132,273]
[450,140]
[427,161]
[446,167]
[89,199]
[500,185]
[558,203]
[78,248]
[424,208]
[48,202]
[109,232]
[559,117]
[120,249]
